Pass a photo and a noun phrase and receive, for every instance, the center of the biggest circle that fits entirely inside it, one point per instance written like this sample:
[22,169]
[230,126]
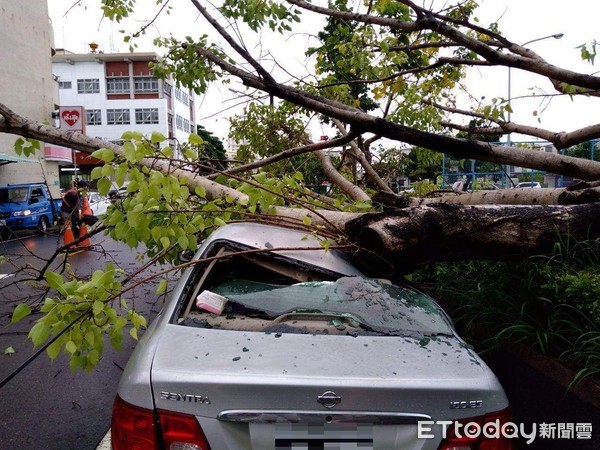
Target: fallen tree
[386,55]
[504,224]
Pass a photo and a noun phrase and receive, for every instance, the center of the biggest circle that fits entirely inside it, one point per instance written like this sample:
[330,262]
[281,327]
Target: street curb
[105,443]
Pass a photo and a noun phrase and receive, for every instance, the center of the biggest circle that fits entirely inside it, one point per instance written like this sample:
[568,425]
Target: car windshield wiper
[339,320]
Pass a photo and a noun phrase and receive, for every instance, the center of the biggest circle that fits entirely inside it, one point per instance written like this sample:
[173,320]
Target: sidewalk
[105,442]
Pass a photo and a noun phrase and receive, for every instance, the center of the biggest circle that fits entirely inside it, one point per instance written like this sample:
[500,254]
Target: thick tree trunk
[403,238]
[416,236]
[574,195]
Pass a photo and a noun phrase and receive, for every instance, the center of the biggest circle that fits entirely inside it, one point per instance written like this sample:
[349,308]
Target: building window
[146,115]
[64,85]
[179,122]
[117,85]
[117,117]
[167,88]
[88,86]
[93,117]
[186,125]
[145,84]
[182,97]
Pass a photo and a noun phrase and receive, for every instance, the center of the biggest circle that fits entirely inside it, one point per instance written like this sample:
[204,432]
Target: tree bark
[575,195]
[401,239]
[13,123]
[459,148]
[412,237]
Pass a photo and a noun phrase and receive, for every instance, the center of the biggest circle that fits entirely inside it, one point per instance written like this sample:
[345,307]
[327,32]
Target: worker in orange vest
[70,209]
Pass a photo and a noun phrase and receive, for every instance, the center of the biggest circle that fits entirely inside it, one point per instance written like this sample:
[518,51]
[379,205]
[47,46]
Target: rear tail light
[471,437]
[135,428]
[181,432]
[132,427]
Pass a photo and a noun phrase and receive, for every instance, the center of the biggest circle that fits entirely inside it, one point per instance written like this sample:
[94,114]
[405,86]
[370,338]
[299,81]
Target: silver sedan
[265,344]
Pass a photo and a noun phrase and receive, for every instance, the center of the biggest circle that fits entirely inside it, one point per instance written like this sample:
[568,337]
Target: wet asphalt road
[46,406]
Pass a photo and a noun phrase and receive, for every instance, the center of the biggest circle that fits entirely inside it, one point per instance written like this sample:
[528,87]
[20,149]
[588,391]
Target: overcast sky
[520,20]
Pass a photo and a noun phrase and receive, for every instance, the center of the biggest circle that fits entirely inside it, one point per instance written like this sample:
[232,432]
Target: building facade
[119,93]
[27,87]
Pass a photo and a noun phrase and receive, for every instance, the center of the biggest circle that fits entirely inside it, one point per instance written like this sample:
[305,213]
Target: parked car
[98,203]
[487,186]
[27,206]
[528,185]
[118,192]
[297,348]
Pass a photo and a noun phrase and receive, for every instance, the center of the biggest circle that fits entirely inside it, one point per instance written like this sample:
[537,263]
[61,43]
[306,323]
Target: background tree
[422,164]
[213,150]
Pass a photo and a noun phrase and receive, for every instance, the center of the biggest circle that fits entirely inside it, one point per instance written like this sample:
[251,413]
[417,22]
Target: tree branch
[16,124]
[460,148]
[360,157]
[286,154]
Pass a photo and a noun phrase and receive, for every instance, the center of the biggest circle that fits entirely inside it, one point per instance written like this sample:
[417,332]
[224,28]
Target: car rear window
[236,290]
[378,305]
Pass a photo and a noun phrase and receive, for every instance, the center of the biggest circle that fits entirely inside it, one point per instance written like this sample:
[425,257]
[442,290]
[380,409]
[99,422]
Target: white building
[27,87]
[120,94]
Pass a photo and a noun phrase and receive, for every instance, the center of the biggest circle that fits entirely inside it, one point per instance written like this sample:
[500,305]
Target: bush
[551,304]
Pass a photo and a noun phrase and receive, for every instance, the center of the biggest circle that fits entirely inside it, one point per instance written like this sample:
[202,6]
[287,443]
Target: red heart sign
[70,117]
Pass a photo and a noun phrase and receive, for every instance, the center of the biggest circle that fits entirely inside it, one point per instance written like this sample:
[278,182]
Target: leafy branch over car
[381,73]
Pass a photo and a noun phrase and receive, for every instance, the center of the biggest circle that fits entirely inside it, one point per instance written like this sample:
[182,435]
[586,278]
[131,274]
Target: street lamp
[508,139]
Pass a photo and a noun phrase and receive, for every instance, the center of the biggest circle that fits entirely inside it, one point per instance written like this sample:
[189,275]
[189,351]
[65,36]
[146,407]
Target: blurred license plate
[328,436]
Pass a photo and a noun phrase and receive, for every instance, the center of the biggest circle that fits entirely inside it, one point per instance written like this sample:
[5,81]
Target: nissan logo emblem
[329,399]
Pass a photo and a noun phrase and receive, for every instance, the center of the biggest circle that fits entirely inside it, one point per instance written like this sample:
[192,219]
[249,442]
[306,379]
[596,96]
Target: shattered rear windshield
[377,305]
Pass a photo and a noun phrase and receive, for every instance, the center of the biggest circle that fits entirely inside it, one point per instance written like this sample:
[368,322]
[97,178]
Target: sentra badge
[188,398]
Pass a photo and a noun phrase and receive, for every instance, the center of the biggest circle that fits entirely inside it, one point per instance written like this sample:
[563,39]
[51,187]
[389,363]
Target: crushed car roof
[256,235]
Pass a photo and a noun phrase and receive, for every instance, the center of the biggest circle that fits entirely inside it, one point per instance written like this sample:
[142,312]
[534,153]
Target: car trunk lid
[261,384]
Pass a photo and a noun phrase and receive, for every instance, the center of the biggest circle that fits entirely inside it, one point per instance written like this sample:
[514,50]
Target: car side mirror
[185,255]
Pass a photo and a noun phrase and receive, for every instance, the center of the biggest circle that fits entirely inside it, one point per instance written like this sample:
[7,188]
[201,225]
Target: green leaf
[96,172]
[98,308]
[77,362]
[89,337]
[104,186]
[71,347]
[93,358]
[107,170]
[183,242]
[306,221]
[116,338]
[48,305]
[157,137]
[39,333]
[195,139]
[19,146]
[129,151]
[200,191]
[105,154]
[120,174]
[133,333]
[162,287]
[20,312]
[9,351]
[54,349]
[55,281]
